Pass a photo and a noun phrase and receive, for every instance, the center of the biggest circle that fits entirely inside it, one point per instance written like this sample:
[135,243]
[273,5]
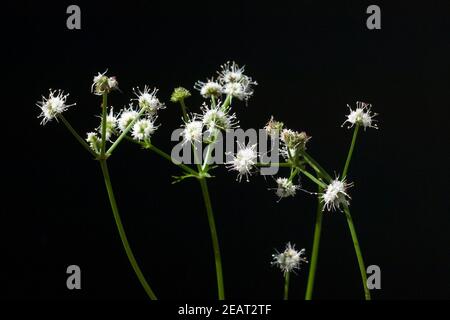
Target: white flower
[231,73]
[335,194]
[111,124]
[362,116]
[285,188]
[234,81]
[52,106]
[244,161]
[240,90]
[290,259]
[143,129]
[193,131]
[127,116]
[215,118]
[147,99]
[103,84]
[94,141]
[209,89]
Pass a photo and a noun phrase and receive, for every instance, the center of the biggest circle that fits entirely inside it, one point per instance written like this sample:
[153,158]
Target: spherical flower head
[215,118]
[179,94]
[361,116]
[231,72]
[290,259]
[104,84]
[244,161]
[143,129]
[94,141]
[235,82]
[53,105]
[209,89]
[335,194]
[193,131]
[274,128]
[240,90]
[127,116]
[285,188]
[147,99]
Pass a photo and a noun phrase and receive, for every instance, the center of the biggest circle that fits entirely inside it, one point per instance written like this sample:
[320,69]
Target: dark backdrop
[310,60]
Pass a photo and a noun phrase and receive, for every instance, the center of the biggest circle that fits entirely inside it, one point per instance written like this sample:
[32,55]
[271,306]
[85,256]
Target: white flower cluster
[231,81]
[290,259]
[139,121]
[104,84]
[216,116]
[285,188]
[147,99]
[335,194]
[361,116]
[244,161]
[53,105]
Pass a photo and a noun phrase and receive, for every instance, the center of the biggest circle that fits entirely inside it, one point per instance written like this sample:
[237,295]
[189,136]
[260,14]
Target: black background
[310,60]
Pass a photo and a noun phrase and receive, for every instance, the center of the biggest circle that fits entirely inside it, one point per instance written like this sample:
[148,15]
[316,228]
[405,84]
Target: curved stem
[214,238]
[286,286]
[350,151]
[76,135]
[359,256]
[168,157]
[122,234]
[315,248]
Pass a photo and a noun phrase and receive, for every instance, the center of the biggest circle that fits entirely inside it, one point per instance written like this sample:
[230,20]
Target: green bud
[179,94]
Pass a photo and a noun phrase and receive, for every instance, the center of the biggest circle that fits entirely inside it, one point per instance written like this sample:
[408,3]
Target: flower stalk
[315,248]
[286,286]
[122,234]
[214,238]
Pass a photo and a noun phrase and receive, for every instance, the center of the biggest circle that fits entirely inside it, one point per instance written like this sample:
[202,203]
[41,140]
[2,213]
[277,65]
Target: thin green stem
[184,110]
[359,256]
[214,238]
[125,132]
[315,248]
[351,226]
[205,165]
[226,103]
[122,233]
[76,135]
[286,285]
[350,151]
[312,178]
[104,111]
[316,166]
[168,157]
